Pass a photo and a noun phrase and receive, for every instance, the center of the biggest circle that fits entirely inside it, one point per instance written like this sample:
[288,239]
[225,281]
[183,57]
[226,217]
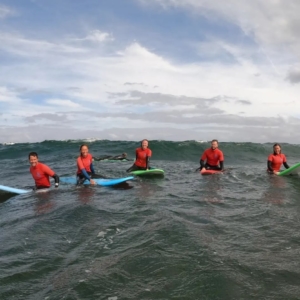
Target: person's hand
[276,173]
[203,169]
[93,182]
[56,185]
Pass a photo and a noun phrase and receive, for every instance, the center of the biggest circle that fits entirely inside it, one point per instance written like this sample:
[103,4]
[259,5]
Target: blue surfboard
[14,190]
[100,181]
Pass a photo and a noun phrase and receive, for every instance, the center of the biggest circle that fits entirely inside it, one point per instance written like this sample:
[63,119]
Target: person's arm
[147,162]
[92,168]
[270,166]
[202,164]
[286,165]
[85,174]
[221,165]
[56,180]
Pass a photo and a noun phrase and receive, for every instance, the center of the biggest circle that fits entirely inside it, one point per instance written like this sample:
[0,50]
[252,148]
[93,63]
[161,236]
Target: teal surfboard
[100,181]
[293,170]
[14,190]
[148,173]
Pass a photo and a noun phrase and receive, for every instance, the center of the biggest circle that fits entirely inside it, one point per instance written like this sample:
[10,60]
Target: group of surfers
[211,159]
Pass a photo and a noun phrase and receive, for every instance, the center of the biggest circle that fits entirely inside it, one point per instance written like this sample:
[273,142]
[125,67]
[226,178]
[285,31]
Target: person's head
[84,150]
[214,144]
[276,148]
[144,144]
[124,155]
[33,158]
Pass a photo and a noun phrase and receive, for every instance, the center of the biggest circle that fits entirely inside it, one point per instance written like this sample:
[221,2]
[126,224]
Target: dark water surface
[185,236]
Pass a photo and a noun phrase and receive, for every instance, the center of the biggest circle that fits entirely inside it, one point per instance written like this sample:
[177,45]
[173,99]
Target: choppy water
[186,236]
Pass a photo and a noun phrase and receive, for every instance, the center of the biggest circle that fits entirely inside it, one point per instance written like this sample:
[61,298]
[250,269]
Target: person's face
[144,144]
[33,160]
[214,145]
[277,149]
[84,151]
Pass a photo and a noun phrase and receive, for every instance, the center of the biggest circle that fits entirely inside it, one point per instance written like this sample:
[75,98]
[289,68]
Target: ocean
[185,236]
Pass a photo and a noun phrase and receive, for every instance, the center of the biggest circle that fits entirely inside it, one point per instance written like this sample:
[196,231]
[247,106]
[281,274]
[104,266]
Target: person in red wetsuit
[85,168]
[142,157]
[41,173]
[212,158]
[276,159]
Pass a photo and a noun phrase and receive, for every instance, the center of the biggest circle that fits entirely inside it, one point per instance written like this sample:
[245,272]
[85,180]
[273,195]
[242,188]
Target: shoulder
[149,151]
[271,156]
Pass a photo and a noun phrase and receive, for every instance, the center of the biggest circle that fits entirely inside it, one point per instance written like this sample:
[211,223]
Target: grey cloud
[244,102]
[141,98]
[73,88]
[293,76]
[45,116]
[135,83]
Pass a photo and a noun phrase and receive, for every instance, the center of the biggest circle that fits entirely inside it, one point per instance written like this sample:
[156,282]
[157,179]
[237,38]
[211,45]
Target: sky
[160,69]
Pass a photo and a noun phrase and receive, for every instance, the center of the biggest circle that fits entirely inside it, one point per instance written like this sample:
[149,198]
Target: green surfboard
[148,173]
[293,170]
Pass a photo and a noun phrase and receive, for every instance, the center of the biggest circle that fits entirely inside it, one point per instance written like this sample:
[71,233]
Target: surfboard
[100,181]
[13,190]
[210,172]
[148,173]
[293,170]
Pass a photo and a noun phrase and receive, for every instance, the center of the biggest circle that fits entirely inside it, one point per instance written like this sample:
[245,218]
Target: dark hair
[215,141]
[276,144]
[83,146]
[33,154]
[143,141]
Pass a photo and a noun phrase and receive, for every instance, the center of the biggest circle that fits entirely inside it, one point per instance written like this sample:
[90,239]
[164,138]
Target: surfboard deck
[210,172]
[148,173]
[99,181]
[293,170]
[13,190]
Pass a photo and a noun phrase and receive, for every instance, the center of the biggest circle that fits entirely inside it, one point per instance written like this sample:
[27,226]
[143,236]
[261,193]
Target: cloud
[5,11]
[97,36]
[244,102]
[63,103]
[293,76]
[44,116]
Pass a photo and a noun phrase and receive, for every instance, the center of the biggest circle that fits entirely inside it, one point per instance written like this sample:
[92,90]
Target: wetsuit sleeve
[149,154]
[204,156]
[221,165]
[202,164]
[270,166]
[56,180]
[92,169]
[85,174]
[147,161]
[286,165]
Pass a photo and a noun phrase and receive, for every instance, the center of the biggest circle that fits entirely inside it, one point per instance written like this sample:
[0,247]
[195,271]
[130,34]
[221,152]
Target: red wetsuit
[40,174]
[84,163]
[276,161]
[212,157]
[141,157]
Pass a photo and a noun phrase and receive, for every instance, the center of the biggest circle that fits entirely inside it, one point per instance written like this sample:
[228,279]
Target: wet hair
[144,141]
[33,154]
[83,146]
[276,144]
[124,154]
[215,141]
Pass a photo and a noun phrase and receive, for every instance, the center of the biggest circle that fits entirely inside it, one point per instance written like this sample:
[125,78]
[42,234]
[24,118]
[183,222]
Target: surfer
[41,172]
[85,168]
[214,158]
[142,157]
[276,159]
[122,156]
